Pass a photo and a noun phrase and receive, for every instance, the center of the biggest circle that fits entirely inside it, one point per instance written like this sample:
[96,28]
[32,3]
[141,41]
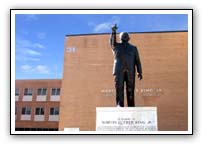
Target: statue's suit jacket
[126,57]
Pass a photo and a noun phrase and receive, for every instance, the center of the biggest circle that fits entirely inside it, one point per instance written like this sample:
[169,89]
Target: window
[26,110]
[39,111]
[54,111]
[55,91]
[17,92]
[16,110]
[42,91]
[28,91]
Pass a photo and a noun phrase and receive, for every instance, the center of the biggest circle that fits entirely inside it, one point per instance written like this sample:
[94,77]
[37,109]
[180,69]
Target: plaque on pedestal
[126,119]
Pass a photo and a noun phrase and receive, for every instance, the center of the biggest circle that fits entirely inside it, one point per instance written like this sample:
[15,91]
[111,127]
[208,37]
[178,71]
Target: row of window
[36,129]
[38,110]
[40,91]
[42,98]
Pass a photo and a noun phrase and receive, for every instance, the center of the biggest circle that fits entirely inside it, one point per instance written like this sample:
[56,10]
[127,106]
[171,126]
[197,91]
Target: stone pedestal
[126,119]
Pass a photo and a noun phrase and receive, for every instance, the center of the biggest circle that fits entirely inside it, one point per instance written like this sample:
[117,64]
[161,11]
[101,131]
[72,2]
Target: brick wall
[88,82]
[35,84]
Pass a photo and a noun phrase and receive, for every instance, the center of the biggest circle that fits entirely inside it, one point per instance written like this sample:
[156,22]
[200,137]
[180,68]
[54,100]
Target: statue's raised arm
[113,36]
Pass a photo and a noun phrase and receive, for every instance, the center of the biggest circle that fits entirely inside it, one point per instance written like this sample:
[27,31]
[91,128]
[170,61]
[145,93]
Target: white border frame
[125,11]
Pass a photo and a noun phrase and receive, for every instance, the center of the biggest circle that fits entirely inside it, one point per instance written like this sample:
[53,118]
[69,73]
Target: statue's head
[124,37]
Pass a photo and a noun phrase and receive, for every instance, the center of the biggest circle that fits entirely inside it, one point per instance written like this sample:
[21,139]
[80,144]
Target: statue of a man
[126,62]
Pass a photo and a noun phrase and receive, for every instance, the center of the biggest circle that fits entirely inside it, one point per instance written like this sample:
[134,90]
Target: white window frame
[54,110]
[56,91]
[26,109]
[18,91]
[28,91]
[42,90]
[40,110]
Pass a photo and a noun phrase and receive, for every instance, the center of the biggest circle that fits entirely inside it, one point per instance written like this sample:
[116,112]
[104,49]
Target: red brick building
[37,105]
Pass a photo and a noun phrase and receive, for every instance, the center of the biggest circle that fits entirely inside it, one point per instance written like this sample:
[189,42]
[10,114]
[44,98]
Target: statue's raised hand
[114,28]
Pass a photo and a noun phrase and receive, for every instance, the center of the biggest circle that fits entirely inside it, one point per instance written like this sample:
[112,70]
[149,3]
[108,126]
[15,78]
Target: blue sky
[39,42]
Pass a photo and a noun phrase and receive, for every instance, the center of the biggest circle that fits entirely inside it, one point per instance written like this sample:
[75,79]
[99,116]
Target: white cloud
[27,51]
[25,67]
[38,45]
[32,52]
[102,27]
[39,69]
[105,26]
[25,58]
[23,43]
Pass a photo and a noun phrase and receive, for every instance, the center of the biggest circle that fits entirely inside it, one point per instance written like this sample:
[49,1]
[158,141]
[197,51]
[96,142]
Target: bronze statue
[126,62]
